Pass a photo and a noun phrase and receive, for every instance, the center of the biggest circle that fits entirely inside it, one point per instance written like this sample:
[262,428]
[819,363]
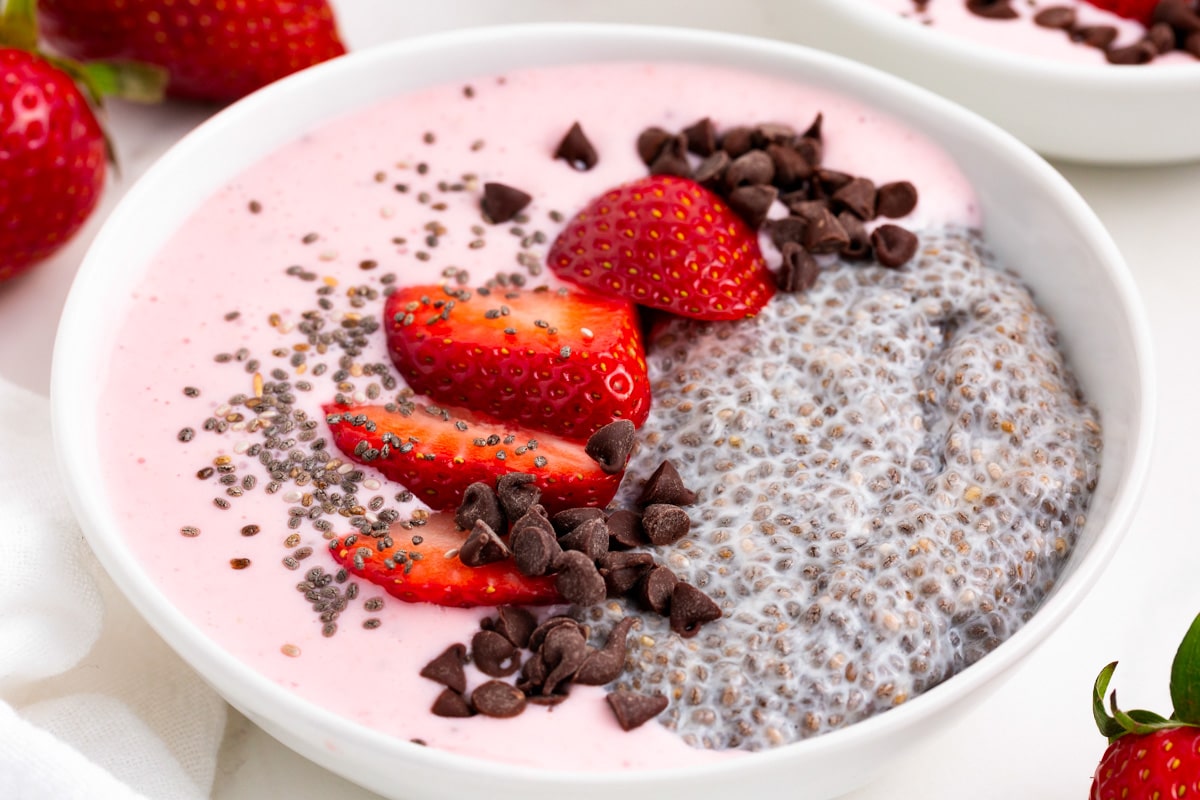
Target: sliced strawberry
[436,455]
[669,243]
[421,565]
[563,361]
[1141,10]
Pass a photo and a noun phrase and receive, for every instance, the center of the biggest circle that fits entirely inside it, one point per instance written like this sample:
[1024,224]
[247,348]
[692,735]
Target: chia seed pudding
[891,467]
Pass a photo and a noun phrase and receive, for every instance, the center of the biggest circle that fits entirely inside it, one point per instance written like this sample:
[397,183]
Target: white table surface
[1034,738]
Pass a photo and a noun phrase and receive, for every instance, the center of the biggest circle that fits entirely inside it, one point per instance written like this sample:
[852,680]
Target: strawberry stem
[18,24]
[1185,676]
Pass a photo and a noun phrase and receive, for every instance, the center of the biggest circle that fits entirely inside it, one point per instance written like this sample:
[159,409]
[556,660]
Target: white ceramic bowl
[1034,219]
[1101,113]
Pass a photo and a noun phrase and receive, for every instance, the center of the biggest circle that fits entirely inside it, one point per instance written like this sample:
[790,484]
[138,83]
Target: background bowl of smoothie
[1033,220]
[1059,97]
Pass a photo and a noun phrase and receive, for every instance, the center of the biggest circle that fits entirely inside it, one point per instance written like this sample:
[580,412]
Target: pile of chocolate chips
[592,555]
[753,167]
[1175,25]
[556,654]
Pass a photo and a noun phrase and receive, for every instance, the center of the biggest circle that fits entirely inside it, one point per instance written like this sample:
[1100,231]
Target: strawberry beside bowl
[1069,109]
[1030,217]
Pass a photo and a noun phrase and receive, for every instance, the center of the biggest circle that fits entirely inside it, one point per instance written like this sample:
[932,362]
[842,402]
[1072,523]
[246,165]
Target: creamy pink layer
[338,182]
[1022,36]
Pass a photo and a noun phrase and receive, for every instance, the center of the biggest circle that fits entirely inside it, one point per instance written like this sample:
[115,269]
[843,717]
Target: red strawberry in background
[1141,10]
[213,49]
[563,361]
[52,148]
[1151,757]
[668,243]
[436,455]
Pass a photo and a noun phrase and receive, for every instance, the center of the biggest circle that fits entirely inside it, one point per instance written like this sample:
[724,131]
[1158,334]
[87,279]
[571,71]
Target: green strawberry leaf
[1139,721]
[1108,726]
[18,24]
[1185,676]
[127,80]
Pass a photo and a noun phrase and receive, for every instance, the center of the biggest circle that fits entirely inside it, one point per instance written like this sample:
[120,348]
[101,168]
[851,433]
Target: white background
[1033,739]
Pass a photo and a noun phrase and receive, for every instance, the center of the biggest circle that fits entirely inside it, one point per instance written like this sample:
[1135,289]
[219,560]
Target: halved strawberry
[563,361]
[1141,10]
[669,243]
[437,455]
[421,565]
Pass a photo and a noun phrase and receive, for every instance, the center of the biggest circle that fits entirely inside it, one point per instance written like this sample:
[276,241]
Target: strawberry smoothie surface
[1021,36]
[389,196]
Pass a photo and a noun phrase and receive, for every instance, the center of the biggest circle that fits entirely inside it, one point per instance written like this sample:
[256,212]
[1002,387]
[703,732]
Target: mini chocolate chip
[671,163]
[752,203]
[787,229]
[1100,36]
[711,171]
[569,519]
[737,141]
[811,149]
[1138,53]
[1181,15]
[625,529]
[534,547]
[992,9]
[549,700]
[479,503]
[701,137]
[621,571]
[518,493]
[501,203]
[611,445]
[1162,37]
[691,608]
[790,166]
[451,704]
[447,668]
[633,710]
[606,664]
[858,248]
[831,179]
[798,270]
[590,538]
[665,486]
[894,245]
[754,167]
[665,524]
[483,546]
[858,197]
[494,654]
[533,674]
[814,130]
[825,234]
[655,588]
[515,624]
[1056,17]
[538,637]
[498,699]
[576,150]
[805,208]
[650,144]
[564,652]
[896,199]
[578,580]
[773,133]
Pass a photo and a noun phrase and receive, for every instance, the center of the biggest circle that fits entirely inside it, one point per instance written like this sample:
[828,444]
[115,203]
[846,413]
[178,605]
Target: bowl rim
[264,698]
[1102,77]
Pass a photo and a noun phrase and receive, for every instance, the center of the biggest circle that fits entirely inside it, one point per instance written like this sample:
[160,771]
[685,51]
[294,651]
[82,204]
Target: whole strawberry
[668,243]
[1150,757]
[216,50]
[52,150]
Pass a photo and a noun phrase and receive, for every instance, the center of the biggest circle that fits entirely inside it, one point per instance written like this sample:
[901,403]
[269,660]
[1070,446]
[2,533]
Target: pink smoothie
[1021,36]
[342,207]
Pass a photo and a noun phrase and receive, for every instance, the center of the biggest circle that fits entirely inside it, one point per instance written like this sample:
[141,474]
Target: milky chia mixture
[892,467]
[891,470]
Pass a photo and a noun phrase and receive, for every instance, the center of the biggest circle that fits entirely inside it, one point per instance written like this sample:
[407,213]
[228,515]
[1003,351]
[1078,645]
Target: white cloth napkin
[92,703]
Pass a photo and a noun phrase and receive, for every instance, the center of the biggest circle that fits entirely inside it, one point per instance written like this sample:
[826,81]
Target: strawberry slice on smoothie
[564,361]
